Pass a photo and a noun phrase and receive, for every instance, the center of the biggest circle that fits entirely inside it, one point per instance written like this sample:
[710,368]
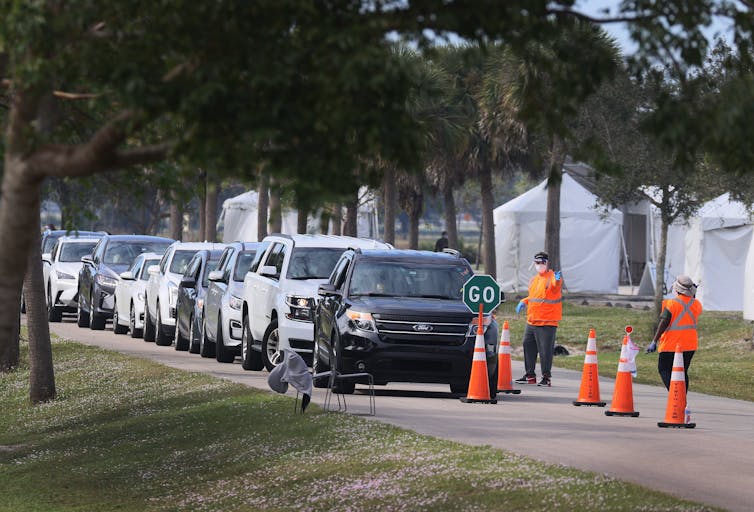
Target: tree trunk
[352,209]
[202,196]
[413,229]
[176,220]
[391,204]
[263,203]
[324,222]
[661,258]
[276,212]
[488,227]
[301,220]
[42,374]
[210,229]
[552,217]
[450,217]
[337,219]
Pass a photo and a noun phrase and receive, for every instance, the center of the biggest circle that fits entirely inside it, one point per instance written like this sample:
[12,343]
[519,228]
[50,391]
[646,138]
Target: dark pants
[665,367]
[539,339]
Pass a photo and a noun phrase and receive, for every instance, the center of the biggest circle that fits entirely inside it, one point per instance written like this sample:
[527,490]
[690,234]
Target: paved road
[712,464]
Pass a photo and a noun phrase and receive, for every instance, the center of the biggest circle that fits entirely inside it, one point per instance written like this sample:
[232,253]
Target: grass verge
[723,365]
[128,434]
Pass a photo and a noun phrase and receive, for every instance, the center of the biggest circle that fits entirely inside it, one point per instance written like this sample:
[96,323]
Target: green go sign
[481,289]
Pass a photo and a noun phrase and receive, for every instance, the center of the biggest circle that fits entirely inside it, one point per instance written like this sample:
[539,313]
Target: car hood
[409,306]
[113,270]
[303,288]
[69,267]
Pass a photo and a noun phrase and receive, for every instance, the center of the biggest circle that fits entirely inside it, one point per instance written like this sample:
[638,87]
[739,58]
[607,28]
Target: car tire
[54,313]
[222,353]
[135,333]
[271,346]
[117,327]
[206,347]
[319,367]
[82,319]
[343,387]
[149,330]
[161,338]
[251,359]
[181,343]
[97,322]
[193,340]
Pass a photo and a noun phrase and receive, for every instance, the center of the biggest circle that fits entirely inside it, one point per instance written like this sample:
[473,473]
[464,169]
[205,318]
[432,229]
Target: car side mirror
[216,276]
[269,271]
[188,282]
[327,290]
[87,260]
[47,258]
[153,270]
[128,276]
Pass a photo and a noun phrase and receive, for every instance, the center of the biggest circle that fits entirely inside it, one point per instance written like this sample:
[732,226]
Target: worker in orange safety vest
[544,310]
[677,326]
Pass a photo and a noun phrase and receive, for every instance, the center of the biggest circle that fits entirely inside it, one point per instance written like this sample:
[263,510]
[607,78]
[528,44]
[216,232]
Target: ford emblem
[422,327]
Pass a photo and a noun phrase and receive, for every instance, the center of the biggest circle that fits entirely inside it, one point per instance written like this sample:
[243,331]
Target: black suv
[399,316]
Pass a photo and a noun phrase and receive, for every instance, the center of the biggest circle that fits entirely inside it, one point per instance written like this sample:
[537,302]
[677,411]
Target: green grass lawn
[131,435]
[723,365]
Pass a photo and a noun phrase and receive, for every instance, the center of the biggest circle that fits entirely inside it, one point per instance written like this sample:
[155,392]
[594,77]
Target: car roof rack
[452,252]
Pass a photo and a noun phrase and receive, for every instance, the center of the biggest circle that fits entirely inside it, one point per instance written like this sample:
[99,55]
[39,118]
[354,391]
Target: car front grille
[423,330]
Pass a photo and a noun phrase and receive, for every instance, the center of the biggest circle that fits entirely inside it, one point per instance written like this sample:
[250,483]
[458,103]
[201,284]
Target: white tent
[716,244]
[238,219]
[590,243]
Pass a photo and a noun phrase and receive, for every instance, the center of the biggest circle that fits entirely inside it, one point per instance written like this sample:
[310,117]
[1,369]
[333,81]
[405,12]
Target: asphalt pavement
[712,464]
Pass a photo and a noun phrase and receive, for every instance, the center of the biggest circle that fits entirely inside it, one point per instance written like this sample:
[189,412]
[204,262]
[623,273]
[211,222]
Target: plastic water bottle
[687,415]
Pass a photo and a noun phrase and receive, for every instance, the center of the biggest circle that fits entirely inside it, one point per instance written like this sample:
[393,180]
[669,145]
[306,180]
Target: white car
[61,274]
[162,290]
[128,310]
[279,294]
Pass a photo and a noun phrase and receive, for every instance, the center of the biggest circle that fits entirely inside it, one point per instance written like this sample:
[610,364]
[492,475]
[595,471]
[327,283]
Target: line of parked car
[346,304]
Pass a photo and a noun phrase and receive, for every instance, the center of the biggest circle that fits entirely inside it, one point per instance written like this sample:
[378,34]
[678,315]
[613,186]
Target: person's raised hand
[520,306]
[558,275]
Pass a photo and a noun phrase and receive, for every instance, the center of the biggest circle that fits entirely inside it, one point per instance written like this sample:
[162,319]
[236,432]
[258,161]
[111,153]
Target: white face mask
[541,268]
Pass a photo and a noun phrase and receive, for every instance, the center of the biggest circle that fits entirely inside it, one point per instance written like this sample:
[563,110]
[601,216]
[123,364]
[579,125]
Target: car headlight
[235,303]
[301,308]
[63,275]
[106,281]
[474,325]
[361,320]
[172,294]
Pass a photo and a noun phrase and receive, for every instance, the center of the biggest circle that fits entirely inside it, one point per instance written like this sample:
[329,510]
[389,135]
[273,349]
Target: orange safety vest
[544,305]
[681,331]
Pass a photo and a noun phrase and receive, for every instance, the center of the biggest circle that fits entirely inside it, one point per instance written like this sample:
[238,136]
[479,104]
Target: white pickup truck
[279,294]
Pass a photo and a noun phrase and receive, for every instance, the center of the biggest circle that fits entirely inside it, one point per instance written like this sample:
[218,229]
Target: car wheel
[182,343]
[117,327]
[319,367]
[54,314]
[82,318]
[135,333]
[271,354]
[251,359]
[193,340]
[149,330]
[344,387]
[161,338]
[222,353]
[96,322]
[206,347]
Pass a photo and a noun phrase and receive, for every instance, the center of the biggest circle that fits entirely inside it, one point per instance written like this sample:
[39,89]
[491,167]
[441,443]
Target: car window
[74,251]
[123,252]
[181,260]
[192,266]
[272,257]
[145,269]
[54,251]
[225,258]
[212,264]
[99,249]
[49,241]
[136,267]
[164,260]
[313,262]
[409,279]
[243,264]
[340,279]
[337,271]
[258,257]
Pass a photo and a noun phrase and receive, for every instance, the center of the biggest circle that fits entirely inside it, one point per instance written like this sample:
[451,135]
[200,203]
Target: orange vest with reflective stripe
[681,331]
[544,305]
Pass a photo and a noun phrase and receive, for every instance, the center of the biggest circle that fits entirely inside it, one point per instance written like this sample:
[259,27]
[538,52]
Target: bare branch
[600,21]
[75,95]
[142,155]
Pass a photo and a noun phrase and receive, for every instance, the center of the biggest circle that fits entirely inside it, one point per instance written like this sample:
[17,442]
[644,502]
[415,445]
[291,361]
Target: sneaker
[545,382]
[526,379]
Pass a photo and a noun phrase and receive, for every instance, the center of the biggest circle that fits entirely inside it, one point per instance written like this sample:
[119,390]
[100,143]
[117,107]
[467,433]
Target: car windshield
[409,279]
[124,252]
[74,251]
[313,262]
[243,263]
[181,260]
[211,265]
[145,268]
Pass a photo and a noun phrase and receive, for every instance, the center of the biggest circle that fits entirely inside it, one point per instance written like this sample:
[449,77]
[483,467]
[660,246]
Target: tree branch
[75,95]
[591,19]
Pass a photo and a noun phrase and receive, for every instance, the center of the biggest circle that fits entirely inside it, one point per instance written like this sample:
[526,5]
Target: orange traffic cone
[504,377]
[623,395]
[675,412]
[589,392]
[479,383]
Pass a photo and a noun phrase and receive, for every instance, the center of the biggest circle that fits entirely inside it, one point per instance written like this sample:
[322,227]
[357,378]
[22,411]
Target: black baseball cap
[541,257]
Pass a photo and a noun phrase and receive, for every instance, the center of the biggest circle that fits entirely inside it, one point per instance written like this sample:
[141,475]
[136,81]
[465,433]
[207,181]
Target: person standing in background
[442,242]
